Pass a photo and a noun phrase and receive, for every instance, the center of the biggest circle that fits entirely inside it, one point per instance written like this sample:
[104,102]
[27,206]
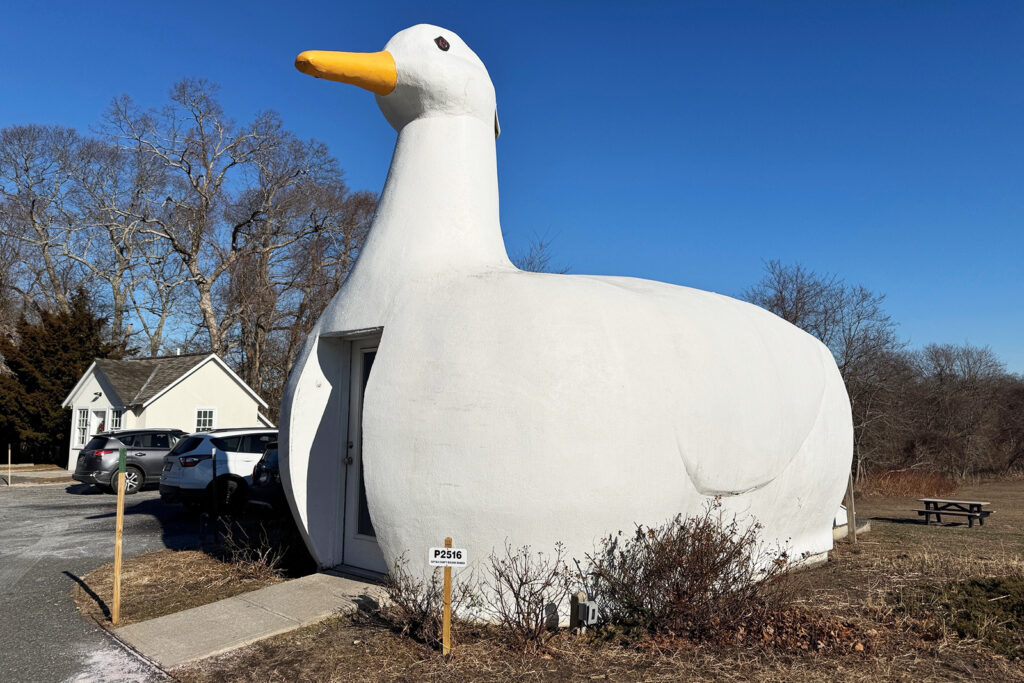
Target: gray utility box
[587,615]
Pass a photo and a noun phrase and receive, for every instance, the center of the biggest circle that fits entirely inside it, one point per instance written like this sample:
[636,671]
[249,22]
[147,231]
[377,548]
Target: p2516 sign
[447,557]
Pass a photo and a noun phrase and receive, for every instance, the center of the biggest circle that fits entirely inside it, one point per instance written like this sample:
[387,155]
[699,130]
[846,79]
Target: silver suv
[146,448]
[188,470]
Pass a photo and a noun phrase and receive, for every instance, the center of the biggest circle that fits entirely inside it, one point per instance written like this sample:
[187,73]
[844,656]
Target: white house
[444,392]
[193,393]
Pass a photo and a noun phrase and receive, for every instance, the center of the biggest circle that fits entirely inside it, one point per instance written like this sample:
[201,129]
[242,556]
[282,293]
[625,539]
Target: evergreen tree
[46,359]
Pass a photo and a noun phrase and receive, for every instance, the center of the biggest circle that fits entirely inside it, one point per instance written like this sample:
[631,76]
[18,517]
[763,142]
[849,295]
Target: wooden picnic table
[971,509]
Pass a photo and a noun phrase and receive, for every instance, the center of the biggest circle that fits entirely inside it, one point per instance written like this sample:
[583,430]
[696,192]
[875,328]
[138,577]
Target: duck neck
[439,207]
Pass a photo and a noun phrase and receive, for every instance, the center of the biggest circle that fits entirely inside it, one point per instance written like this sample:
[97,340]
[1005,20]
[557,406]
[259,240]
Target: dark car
[146,448]
[266,486]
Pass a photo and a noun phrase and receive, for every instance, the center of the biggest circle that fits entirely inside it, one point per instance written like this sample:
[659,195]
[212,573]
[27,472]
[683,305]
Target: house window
[204,419]
[115,419]
[83,425]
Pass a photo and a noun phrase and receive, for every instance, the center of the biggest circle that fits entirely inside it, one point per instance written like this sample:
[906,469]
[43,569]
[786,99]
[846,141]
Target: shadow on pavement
[260,531]
[91,593]
[84,490]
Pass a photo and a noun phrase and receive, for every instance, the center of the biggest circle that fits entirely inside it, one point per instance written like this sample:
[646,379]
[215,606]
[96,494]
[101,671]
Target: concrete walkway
[221,626]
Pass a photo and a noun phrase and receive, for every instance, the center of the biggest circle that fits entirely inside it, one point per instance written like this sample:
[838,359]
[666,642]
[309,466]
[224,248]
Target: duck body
[507,407]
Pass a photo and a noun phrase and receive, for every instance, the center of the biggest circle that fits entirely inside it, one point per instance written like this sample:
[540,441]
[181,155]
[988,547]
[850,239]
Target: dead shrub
[252,552]
[524,591]
[907,484]
[415,606]
[702,577]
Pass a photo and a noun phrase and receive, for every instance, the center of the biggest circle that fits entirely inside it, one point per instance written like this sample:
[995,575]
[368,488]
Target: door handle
[349,460]
[138,454]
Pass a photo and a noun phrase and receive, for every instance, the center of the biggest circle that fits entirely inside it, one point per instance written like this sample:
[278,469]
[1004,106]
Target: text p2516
[447,557]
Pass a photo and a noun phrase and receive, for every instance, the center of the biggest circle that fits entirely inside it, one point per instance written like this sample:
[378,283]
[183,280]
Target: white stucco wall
[516,407]
[208,387]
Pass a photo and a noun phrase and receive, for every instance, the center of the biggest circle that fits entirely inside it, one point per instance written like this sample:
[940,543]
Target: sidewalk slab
[241,620]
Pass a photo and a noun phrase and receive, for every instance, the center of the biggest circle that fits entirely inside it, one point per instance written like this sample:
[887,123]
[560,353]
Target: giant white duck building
[446,393]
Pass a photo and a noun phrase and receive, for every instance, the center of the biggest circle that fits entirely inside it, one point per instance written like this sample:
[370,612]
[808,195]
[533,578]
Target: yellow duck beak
[374,71]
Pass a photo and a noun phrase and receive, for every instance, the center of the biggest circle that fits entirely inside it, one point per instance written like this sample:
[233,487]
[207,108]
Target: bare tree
[37,167]
[279,288]
[850,321]
[203,152]
[537,258]
[253,216]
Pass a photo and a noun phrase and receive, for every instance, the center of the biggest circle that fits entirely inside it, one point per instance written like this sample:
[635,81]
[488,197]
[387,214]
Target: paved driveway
[49,536]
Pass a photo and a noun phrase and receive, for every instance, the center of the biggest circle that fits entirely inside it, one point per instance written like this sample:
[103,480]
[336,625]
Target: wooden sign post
[8,464]
[447,557]
[851,511]
[446,623]
[115,612]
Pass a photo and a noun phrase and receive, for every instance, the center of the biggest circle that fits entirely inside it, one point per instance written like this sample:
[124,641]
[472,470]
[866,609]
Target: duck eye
[442,43]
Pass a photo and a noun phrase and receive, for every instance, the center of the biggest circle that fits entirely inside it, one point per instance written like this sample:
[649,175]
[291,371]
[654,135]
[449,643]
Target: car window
[256,443]
[186,445]
[270,459]
[159,441]
[227,443]
[96,443]
[127,439]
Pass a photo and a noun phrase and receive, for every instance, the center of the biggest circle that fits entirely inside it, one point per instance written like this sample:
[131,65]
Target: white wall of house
[99,410]
[209,387]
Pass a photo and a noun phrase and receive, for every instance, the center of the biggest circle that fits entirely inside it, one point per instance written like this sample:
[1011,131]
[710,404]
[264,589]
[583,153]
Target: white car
[188,471]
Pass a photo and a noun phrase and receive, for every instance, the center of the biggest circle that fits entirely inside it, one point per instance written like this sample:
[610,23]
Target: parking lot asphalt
[50,537]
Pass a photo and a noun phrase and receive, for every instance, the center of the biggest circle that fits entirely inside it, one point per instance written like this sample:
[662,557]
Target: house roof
[138,381]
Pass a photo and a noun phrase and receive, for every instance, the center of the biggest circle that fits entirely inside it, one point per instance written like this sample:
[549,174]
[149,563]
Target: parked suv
[266,486]
[188,469]
[146,448]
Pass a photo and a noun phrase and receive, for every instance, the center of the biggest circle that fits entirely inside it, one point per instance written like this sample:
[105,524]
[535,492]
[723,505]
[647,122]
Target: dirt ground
[892,628]
[166,582]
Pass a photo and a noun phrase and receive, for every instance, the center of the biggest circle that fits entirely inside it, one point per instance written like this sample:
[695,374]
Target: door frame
[352,401]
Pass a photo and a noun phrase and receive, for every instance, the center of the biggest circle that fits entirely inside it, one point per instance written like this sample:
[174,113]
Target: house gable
[207,386]
[215,359]
[92,392]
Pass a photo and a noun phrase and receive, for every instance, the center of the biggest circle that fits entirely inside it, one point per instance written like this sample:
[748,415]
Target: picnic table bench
[971,509]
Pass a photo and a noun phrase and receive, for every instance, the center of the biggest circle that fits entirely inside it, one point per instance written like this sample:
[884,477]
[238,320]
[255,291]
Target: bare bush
[524,592]
[907,484]
[415,605]
[698,577]
[254,553]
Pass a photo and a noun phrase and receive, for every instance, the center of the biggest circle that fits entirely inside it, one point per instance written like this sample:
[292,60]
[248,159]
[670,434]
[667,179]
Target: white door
[99,421]
[360,543]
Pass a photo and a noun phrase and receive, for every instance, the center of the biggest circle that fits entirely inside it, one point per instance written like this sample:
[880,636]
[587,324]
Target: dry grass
[166,582]
[907,483]
[343,650]
[865,589]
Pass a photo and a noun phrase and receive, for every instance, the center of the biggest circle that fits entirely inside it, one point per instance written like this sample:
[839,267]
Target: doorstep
[225,625]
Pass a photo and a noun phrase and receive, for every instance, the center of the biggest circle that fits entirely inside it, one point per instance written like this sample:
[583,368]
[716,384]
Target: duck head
[423,71]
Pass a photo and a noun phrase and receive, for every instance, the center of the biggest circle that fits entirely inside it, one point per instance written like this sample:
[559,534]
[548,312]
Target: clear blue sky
[686,142]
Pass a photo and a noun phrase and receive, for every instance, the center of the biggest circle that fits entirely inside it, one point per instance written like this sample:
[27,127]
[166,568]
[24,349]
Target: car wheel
[133,479]
[230,496]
